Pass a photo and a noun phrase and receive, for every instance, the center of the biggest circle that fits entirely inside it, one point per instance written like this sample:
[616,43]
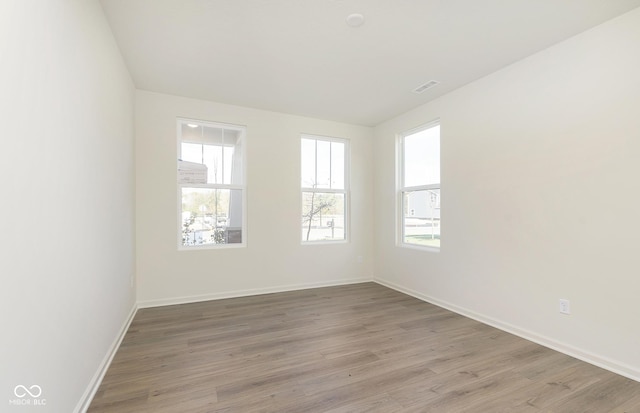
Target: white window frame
[242,187]
[402,190]
[345,191]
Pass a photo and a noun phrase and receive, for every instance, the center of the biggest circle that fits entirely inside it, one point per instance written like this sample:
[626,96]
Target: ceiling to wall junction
[301,56]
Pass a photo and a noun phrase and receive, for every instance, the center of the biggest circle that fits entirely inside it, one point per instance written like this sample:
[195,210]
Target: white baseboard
[246,293]
[586,356]
[96,380]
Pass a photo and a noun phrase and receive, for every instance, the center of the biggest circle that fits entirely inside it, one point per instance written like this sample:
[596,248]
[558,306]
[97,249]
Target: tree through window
[324,188]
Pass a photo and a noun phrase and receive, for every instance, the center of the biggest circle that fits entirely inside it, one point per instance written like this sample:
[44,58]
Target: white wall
[274,258]
[540,198]
[67,210]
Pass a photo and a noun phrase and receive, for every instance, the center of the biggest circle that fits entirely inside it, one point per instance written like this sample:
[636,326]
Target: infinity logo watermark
[33,391]
[28,396]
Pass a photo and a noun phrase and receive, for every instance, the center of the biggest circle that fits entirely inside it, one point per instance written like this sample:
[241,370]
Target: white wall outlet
[565,306]
[359,259]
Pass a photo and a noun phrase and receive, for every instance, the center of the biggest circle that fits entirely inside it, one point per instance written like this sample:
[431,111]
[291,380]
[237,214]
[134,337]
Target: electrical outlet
[565,306]
[359,259]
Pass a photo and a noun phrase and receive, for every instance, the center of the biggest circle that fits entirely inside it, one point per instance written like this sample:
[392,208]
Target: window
[324,188]
[211,184]
[419,187]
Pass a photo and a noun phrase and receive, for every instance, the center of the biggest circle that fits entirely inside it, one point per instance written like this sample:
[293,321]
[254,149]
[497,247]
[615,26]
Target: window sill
[419,247]
[324,242]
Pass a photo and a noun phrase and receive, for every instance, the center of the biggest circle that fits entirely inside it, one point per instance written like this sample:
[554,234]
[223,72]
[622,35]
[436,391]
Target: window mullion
[325,190]
[420,187]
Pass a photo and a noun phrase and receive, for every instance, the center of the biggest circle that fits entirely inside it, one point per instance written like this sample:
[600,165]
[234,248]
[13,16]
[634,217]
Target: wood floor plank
[603,396]
[378,403]
[354,348]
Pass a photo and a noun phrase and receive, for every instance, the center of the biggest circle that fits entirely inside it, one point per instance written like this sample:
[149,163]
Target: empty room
[320,206]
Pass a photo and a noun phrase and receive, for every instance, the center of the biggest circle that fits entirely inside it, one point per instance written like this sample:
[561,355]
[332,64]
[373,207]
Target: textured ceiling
[300,56]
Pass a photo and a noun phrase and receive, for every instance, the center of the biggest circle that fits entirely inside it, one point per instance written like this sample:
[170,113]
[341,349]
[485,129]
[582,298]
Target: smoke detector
[355,20]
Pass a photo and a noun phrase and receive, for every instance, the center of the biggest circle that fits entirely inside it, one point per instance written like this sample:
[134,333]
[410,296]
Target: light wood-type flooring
[354,348]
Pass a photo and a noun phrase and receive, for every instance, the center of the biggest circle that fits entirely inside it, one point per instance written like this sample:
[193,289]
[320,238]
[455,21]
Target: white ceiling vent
[426,86]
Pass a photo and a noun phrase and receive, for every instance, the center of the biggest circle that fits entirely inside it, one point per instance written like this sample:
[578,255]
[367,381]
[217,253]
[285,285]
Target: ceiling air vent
[426,86]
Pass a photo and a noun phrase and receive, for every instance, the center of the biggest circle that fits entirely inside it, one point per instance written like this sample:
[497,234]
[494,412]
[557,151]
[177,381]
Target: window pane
[421,217]
[323,216]
[211,216]
[191,152]
[220,162]
[213,160]
[228,165]
[323,172]
[308,162]
[422,157]
[337,165]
